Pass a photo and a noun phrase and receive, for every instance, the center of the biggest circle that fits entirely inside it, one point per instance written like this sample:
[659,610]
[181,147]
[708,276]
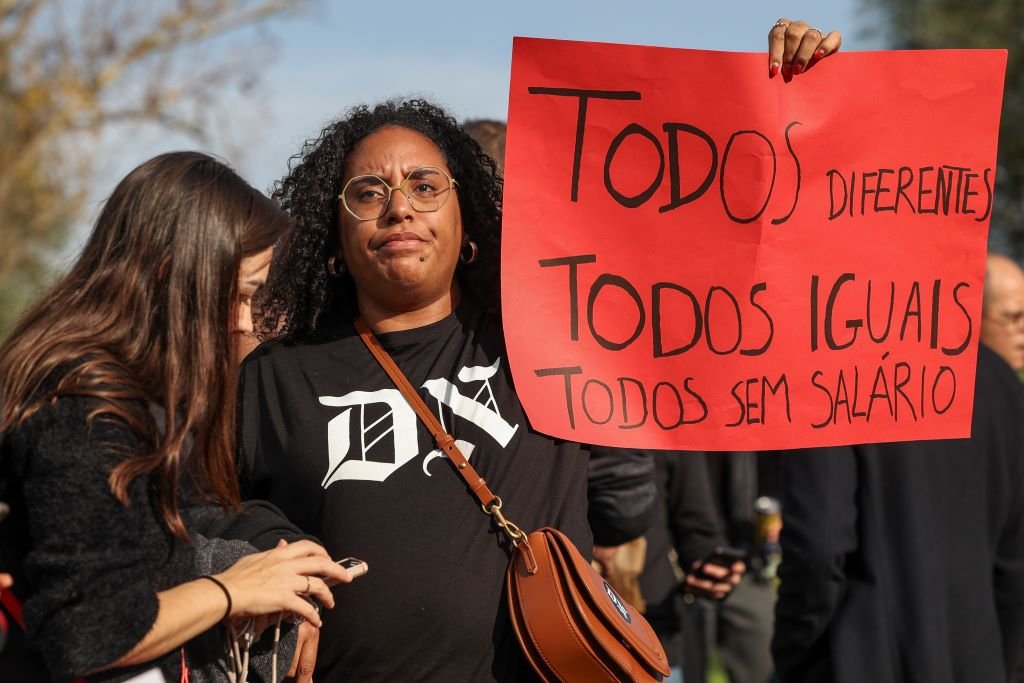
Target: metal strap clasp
[511,529]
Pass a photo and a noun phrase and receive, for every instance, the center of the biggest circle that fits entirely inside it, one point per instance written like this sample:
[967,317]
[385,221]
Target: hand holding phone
[355,567]
[717,574]
[723,557]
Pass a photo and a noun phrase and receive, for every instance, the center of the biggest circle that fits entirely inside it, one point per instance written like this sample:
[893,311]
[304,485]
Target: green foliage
[918,24]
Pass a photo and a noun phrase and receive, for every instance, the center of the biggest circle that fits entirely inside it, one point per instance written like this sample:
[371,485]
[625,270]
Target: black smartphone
[723,556]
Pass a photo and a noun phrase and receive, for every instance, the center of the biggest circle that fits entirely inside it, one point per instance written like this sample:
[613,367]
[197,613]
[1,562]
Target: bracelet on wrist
[227,594]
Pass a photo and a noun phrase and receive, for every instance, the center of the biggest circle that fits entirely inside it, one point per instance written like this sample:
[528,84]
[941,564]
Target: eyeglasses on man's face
[366,197]
[1009,319]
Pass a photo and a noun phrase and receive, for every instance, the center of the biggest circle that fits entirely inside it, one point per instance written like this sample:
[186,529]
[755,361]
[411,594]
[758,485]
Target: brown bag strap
[488,500]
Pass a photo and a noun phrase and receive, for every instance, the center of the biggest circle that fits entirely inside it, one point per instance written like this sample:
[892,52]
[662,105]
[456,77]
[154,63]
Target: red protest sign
[698,256]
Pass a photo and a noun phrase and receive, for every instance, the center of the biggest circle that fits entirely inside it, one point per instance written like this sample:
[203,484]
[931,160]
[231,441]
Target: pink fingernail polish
[819,54]
[773,70]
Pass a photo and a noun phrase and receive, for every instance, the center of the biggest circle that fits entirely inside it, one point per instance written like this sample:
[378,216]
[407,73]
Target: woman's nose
[243,320]
[399,205]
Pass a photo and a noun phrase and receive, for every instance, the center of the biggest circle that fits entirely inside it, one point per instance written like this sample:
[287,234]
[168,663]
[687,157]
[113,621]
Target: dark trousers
[740,627]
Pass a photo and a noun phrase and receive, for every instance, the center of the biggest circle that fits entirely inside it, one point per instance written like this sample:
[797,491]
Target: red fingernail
[819,54]
[798,69]
[773,70]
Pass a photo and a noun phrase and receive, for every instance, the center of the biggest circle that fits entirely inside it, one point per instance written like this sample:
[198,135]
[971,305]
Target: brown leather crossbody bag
[571,625]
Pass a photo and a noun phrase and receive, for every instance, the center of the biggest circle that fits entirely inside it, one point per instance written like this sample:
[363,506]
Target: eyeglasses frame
[452,184]
[1007,320]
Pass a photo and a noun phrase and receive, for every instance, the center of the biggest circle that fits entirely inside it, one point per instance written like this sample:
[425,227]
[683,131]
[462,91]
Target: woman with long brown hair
[119,403]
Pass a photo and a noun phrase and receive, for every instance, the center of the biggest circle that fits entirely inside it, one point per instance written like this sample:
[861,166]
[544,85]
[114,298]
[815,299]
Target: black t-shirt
[328,438]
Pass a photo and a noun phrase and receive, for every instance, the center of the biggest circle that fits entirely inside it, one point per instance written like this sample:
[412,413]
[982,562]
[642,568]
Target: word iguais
[904,309]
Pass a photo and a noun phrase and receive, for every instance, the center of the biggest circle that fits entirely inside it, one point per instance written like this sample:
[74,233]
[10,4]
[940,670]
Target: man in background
[1002,313]
[904,562]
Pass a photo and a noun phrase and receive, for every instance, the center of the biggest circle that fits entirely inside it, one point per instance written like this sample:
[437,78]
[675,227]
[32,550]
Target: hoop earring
[473,252]
[335,267]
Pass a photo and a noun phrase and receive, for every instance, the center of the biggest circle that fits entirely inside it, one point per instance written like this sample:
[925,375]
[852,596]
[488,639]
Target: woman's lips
[404,241]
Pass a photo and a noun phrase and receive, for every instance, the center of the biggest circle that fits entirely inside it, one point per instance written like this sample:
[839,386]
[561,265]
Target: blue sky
[456,52]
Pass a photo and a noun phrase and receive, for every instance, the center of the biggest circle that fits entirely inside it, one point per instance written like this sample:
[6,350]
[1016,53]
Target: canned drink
[768,513]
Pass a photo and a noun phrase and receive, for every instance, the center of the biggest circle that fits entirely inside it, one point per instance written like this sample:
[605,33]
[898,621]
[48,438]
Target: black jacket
[686,523]
[904,562]
[92,566]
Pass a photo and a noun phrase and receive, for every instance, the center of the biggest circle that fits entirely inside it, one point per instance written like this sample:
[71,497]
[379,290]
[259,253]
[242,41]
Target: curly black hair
[300,301]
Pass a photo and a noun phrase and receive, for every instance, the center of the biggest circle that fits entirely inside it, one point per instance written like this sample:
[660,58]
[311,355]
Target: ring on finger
[780,23]
[307,586]
[820,32]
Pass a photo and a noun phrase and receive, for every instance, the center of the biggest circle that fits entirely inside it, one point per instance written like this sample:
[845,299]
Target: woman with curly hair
[118,409]
[301,292]
[398,216]
[398,220]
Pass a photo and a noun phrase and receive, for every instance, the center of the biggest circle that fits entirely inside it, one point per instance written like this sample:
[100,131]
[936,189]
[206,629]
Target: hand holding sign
[794,47]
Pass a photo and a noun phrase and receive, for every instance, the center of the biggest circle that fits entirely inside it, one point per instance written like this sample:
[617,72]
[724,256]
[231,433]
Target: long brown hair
[144,317]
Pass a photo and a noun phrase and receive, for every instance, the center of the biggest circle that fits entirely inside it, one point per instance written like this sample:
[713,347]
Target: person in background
[685,532]
[118,412]
[904,562]
[1002,313]
[740,628]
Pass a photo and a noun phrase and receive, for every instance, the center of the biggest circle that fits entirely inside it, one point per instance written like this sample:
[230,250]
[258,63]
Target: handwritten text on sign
[697,256]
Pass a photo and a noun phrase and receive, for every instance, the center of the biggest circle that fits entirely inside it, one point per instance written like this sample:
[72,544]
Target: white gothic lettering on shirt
[403,425]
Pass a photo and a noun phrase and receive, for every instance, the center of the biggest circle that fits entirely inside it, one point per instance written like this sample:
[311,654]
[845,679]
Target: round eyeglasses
[367,197]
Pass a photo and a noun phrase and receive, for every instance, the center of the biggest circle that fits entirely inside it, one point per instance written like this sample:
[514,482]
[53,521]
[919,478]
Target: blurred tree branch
[70,68]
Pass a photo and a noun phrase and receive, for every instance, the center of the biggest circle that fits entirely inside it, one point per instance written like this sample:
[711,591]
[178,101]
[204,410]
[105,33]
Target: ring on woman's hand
[306,592]
[782,24]
[820,32]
